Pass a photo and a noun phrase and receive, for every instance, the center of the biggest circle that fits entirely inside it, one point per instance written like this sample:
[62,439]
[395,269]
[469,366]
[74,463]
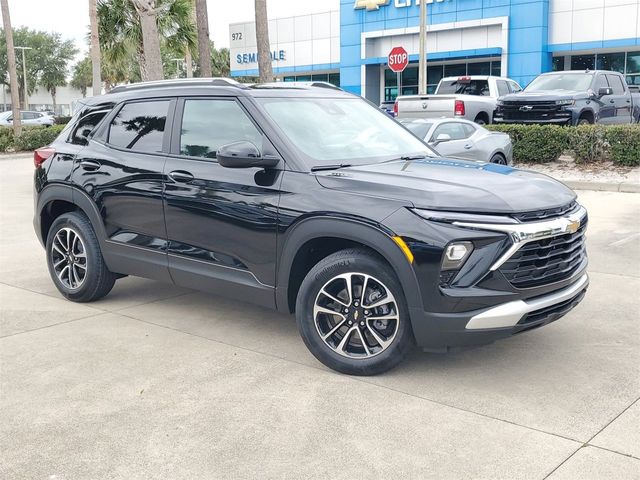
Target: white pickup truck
[471,97]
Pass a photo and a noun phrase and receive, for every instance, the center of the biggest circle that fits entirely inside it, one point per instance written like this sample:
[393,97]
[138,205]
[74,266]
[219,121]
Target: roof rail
[211,81]
[316,83]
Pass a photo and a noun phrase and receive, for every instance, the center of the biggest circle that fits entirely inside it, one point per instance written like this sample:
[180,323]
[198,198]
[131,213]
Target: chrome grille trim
[523,233]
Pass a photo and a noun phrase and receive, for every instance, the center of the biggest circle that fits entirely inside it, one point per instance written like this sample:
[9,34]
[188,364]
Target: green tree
[54,72]
[82,75]
[46,61]
[121,38]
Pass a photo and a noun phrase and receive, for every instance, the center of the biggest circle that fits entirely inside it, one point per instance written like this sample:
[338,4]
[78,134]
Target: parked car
[470,97]
[572,98]
[387,106]
[27,118]
[309,200]
[463,139]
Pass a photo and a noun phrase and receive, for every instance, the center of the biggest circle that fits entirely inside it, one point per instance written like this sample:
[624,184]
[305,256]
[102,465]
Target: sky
[70,18]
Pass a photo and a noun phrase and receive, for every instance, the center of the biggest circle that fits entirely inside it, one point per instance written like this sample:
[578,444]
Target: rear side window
[207,124]
[85,125]
[616,83]
[140,126]
[464,87]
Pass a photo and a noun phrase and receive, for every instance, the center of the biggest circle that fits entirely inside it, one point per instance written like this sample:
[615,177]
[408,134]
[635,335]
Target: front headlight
[451,217]
[565,102]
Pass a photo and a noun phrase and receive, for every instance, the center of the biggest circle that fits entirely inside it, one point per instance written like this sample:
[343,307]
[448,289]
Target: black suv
[307,199]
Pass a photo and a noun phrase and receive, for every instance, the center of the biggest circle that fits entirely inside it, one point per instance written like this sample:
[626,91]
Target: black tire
[98,280]
[361,263]
[481,120]
[584,121]
[499,159]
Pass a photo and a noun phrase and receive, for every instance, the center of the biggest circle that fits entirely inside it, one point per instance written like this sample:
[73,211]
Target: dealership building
[515,38]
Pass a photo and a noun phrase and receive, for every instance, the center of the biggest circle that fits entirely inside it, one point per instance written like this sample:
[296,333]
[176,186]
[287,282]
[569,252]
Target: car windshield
[561,81]
[342,130]
[419,129]
[464,87]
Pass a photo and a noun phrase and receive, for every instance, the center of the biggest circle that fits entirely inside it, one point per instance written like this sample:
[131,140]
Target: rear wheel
[352,315]
[75,261]
[499,159]
[481,120]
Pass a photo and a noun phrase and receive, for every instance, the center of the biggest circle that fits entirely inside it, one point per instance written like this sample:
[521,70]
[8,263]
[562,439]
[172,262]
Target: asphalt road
[160,382]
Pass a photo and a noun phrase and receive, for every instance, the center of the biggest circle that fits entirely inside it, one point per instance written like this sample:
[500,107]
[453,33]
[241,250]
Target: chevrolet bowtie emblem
[370,4]
[573,226]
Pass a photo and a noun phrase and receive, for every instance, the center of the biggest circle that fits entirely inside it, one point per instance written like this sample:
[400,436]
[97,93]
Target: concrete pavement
[160,382]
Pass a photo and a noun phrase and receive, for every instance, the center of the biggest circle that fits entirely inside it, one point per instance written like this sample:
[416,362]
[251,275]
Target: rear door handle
[468,146]
[612,101]
[90,165]
[180,176]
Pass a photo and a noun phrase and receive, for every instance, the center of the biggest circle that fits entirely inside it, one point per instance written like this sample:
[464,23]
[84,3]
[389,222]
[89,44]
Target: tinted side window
[455,130]
[515,88]
[616,83]
[85,125]
[464,87]
[601,82]
[503,88]
[139,126]
[209,124]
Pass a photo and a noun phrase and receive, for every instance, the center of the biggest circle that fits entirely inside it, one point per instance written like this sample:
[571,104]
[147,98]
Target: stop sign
[398,59]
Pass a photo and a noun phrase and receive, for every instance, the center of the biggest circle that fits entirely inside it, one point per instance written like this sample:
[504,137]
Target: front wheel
[352,314]
[75,261]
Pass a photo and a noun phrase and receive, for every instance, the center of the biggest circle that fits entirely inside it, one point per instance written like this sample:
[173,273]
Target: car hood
[544,96]
[448,184]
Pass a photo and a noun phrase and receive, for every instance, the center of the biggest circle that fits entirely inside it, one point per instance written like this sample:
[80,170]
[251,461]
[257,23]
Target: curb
[624,187]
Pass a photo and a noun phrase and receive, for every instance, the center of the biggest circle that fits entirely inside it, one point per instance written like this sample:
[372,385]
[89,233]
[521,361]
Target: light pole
[422,64]
[24,76]
[178,60]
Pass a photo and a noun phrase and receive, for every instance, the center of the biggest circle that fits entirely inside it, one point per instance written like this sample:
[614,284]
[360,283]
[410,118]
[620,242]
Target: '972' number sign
[236,36]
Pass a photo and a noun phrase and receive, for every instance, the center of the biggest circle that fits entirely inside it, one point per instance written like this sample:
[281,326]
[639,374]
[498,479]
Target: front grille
[546,213]
[539,111]
[546,261]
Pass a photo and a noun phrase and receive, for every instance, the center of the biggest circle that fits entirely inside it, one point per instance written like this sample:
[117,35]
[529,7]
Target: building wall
[522,42]
[593,24]
[299,44]
[40,100]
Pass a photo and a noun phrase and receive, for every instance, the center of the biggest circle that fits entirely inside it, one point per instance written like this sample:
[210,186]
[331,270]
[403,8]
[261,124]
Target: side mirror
[243,155]
[443,137]
[602,91]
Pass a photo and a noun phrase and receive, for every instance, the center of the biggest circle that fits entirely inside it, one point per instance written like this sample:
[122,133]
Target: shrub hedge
[587,143]
[32,137]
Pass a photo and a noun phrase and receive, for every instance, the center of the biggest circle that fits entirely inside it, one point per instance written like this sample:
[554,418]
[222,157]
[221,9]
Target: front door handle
[180,176]
[90,165]
[612,101]
[468,146]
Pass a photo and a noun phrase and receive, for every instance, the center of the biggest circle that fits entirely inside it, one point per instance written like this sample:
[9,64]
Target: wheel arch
[56,199]
[351,232]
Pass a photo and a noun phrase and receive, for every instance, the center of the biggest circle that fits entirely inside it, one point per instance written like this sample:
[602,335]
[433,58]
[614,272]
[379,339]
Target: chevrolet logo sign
[573,226]
[370,4]
[526,108]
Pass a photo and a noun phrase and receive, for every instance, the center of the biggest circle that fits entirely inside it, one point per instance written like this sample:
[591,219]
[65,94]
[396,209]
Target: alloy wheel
[356,315]
[69,258]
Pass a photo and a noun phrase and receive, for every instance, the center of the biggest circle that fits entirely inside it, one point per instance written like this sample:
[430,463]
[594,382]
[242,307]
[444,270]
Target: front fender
[376,237]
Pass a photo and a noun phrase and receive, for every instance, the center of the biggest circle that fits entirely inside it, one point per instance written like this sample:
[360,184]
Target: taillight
[395,109]
[41,154]
[458,110]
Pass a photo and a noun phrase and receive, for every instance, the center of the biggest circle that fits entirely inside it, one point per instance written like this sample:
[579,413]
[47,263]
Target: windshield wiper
[319,168]
[414,157]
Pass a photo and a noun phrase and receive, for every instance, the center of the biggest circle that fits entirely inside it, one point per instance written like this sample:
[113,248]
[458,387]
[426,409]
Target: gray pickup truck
[572,98]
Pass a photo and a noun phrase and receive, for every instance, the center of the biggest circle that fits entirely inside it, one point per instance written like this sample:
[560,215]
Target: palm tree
[121,36]
[95,49]
[11,60]
[147,10]
[83,75]
[262,40]
[204,50]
